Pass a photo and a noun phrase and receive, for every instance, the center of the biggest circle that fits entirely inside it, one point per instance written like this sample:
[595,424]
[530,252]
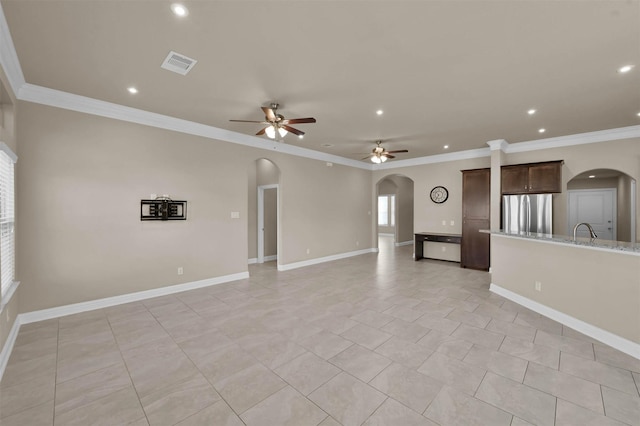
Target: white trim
[577,139]
[271,258]
[606,337]
[7,150]
[498,145]
[8,345]
[331,258]
[8,56]
[432,159]
[91,305]
[252,261]
[56,98]
[633,210]
[6,298]
[386,234]
[404,243]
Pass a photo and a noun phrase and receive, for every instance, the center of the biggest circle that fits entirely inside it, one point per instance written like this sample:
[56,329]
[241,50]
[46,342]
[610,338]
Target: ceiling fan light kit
[380,155]
[277,124]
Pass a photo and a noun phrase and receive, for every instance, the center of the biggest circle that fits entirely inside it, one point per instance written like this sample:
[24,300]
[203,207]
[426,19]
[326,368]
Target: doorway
[589,197]
[267,223]
[394,209]
[597,207]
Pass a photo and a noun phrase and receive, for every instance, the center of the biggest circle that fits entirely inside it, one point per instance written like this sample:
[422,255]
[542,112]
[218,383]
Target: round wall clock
[439,194]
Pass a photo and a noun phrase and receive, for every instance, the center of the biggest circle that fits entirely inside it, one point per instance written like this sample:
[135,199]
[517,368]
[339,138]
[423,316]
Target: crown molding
[9,57]
[432,159]
[59,99]
[577,139]
[498,145]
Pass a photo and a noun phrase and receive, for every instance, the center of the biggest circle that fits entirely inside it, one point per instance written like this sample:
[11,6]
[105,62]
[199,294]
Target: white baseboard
[254,260]
[310,262]
[385,234]
[91,305]
[606,337]
[404,243]
[8,345]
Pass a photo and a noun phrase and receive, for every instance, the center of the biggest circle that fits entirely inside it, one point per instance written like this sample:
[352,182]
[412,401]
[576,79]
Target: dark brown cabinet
[476,208]
[538,178]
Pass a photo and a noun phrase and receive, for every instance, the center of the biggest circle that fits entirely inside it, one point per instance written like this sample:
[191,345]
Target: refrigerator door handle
[528,213]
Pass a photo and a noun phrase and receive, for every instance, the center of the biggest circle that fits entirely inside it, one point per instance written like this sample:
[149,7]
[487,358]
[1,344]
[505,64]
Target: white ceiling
[457,73]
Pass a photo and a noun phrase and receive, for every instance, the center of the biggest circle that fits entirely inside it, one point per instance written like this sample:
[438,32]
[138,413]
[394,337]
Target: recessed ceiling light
[625,69]
[132,90]
[542,130]
[592,176]
[300,136]
[531,111]
[179,9]
[446,147]
[379,112]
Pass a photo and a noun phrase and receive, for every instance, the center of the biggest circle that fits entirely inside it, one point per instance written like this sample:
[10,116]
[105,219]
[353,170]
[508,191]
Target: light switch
[235,215]
[452,222]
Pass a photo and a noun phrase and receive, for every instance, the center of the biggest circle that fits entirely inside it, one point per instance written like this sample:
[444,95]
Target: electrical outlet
[444,248]
[452,223]
[444,223]
[357,243]
[538,286]
[308,251]
[180,270]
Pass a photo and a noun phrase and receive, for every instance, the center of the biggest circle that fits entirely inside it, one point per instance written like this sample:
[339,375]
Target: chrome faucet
[575,229]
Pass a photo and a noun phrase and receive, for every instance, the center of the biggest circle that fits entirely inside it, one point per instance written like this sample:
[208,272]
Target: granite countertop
[623,246]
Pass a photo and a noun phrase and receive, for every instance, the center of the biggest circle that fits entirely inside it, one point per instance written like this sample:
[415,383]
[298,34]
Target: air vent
[178,63]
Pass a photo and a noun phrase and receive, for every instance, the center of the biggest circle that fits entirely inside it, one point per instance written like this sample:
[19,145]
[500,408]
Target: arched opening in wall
[605,199]
[394,211]
[263,211]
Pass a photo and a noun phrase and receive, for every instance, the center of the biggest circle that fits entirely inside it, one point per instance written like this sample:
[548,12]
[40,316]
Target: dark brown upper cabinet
[536,178]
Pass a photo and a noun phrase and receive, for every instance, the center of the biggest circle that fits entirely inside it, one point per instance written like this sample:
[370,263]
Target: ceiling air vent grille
[178,63]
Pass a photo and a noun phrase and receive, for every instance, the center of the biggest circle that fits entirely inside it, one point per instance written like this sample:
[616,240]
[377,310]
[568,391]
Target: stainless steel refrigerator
[529,213]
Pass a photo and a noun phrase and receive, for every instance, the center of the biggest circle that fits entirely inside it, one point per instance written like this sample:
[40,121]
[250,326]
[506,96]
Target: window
[386,210]
[7,219]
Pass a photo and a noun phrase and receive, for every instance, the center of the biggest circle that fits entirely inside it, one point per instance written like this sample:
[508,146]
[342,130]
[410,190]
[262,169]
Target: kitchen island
[592,286]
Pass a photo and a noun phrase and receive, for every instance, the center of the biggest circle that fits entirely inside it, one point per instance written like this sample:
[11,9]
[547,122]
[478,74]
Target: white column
[497,158]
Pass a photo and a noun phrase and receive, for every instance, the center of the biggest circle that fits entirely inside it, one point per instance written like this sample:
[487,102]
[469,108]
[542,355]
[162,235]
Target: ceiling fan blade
[299,120]
[249,121]
[396,151]
[366,158]
[261,132]
[386,154]
[268,112]
[292,130]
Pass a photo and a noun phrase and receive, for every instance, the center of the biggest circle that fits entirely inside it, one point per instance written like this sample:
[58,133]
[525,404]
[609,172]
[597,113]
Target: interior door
[597,207]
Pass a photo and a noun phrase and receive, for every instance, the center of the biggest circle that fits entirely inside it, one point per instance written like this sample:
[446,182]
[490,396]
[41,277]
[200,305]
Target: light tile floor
[376,339]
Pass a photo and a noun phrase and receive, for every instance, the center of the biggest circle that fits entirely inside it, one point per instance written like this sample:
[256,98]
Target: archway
[605,198]
[394,209]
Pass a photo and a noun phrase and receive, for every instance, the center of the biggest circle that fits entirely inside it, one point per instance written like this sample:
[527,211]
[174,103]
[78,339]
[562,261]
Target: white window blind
[7,218]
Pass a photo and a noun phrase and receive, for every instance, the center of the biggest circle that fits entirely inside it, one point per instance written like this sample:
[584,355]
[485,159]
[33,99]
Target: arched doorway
[394,209]
[606,199]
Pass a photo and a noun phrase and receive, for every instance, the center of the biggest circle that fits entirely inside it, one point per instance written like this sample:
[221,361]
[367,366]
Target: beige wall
[429,216]
[81,181]
[404,209]
[598,287]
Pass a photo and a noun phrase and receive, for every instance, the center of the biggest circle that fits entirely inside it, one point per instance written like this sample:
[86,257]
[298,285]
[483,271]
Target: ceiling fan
[380,155]
[277,123]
